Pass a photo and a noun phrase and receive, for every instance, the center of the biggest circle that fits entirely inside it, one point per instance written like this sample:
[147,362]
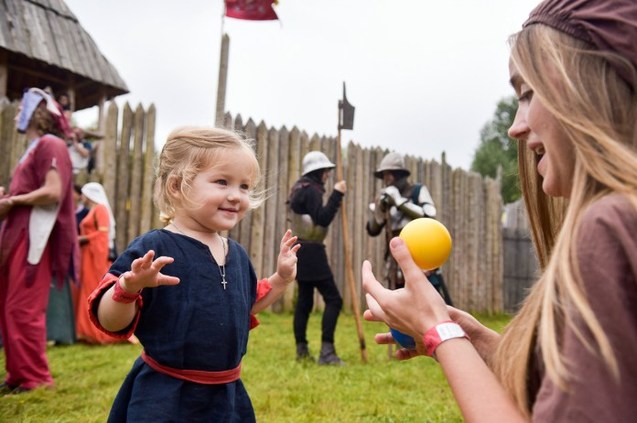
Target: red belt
[198,376]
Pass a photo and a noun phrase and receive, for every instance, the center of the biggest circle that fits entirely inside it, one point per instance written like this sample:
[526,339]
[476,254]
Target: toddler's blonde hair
[188,151]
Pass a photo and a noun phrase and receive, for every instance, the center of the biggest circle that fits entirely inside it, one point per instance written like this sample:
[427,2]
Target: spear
[346,121]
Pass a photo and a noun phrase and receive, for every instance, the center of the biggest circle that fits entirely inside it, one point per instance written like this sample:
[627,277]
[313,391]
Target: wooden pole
[223,80]
[349,270]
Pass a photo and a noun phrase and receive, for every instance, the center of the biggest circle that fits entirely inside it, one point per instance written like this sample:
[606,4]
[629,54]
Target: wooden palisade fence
[468,205]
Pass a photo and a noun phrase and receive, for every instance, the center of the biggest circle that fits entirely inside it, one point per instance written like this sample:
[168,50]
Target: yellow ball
[428,242]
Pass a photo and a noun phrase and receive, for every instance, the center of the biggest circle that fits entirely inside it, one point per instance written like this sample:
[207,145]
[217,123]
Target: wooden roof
[43,44]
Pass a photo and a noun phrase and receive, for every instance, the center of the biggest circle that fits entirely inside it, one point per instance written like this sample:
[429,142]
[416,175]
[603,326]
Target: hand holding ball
[429,244]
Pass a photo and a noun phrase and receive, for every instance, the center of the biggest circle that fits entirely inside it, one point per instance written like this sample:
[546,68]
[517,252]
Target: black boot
[328,355]
[303,353]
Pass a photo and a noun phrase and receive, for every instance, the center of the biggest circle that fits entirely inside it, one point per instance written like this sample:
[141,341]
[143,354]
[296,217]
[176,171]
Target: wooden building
[43,44]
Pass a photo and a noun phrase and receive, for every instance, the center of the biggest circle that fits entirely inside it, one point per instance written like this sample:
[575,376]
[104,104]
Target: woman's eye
[525,96]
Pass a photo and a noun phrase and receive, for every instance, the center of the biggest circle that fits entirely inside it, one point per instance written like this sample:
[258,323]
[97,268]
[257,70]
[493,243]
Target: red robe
[24,288]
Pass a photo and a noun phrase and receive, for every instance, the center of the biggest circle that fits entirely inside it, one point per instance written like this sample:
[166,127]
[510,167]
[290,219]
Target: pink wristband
[122,296]
[440,333]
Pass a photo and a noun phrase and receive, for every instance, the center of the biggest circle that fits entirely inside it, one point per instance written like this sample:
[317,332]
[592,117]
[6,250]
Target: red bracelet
[122,296]
[440,333]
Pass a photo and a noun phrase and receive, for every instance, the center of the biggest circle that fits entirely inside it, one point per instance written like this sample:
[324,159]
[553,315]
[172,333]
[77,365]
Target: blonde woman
[569,355]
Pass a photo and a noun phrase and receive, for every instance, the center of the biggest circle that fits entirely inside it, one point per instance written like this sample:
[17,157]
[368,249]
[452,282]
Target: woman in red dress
[97,235]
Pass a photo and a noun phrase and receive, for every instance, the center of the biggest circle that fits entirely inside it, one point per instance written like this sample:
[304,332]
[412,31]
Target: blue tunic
[195,325]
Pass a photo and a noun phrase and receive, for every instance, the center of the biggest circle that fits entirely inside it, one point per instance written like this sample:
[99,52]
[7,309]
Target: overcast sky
[424,76]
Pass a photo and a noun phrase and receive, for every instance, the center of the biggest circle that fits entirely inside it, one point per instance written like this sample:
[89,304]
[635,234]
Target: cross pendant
[224,283]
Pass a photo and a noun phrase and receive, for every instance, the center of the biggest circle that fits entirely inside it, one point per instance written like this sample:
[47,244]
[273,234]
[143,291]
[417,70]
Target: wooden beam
[4,73]
[223,80]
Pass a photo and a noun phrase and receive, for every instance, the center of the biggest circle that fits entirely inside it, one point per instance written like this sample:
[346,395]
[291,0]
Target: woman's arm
[418,307]
[484,340]
[49,193]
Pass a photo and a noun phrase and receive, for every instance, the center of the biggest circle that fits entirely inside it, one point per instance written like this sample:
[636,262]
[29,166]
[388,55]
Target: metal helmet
[392,161]
[315,160]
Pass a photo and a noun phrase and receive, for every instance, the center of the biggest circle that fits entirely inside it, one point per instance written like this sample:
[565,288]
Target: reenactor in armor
[309,221]
[399,203]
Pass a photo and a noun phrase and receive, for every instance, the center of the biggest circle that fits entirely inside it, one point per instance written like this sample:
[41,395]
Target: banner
[252,10]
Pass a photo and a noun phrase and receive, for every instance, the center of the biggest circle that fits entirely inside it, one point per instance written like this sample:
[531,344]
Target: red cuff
[263,288]
[94,300]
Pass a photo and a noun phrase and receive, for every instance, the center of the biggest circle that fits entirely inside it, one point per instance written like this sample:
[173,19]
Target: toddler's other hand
[286,262]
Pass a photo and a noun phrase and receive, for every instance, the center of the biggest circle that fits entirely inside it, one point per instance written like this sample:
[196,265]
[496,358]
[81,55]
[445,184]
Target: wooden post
[4,74]
[223,80]
[349,270]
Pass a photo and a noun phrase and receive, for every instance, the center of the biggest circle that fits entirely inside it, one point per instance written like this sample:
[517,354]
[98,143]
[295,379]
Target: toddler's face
[222,192]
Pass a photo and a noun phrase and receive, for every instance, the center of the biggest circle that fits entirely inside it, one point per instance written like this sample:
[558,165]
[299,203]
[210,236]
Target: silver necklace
[222,267]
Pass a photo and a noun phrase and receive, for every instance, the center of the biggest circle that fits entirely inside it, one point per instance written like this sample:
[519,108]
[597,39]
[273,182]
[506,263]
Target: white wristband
[440,333]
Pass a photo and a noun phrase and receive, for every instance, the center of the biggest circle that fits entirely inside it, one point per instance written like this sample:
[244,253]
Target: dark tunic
[195,325]
[307,198]
[607,256]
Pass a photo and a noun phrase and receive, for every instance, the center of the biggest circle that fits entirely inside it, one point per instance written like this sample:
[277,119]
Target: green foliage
[282,390]
[497,149]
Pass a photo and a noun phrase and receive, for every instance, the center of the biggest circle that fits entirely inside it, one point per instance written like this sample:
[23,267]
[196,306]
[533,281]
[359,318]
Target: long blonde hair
[189,150]
[598,112]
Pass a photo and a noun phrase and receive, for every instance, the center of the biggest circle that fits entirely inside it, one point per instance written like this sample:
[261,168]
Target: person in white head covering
[94,192]
[97,236]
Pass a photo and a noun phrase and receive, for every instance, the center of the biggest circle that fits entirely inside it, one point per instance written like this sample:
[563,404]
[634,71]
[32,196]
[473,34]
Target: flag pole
[222,81]
[349,269]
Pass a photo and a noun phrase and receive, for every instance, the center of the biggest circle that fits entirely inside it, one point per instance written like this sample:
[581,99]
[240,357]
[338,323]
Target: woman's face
[537,129]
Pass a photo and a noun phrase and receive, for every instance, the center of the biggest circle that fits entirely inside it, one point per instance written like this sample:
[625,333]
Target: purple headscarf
[608,25]
[30,101]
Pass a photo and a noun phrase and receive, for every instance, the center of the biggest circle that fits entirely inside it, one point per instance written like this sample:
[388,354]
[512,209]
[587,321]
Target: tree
[497,149]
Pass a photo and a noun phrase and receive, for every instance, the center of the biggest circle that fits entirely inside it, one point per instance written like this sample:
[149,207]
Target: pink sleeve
[263,288]
[94,300]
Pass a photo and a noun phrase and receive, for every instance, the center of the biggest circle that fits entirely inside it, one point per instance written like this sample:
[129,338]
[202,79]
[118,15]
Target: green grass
[282,390]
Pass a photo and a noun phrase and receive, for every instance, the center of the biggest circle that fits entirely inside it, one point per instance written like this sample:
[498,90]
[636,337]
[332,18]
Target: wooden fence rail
[469,205]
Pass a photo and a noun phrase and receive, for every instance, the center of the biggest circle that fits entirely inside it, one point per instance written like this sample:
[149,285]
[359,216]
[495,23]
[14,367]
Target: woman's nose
[519,129]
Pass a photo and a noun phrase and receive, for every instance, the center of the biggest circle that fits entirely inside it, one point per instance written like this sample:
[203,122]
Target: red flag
[252,10]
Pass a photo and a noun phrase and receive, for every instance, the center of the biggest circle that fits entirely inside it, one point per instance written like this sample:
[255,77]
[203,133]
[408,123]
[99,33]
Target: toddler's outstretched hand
[146,273]
[286,262]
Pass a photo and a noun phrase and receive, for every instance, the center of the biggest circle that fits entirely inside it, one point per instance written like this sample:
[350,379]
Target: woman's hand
[6,203]
[484,340]
[286,262]
[145,273]
[412,310]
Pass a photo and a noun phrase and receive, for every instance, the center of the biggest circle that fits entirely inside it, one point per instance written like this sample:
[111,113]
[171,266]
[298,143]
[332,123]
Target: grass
[282,390]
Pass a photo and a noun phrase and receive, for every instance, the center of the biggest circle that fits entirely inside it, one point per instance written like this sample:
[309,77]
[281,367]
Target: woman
[97,236]
[38,241]
[569,353]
